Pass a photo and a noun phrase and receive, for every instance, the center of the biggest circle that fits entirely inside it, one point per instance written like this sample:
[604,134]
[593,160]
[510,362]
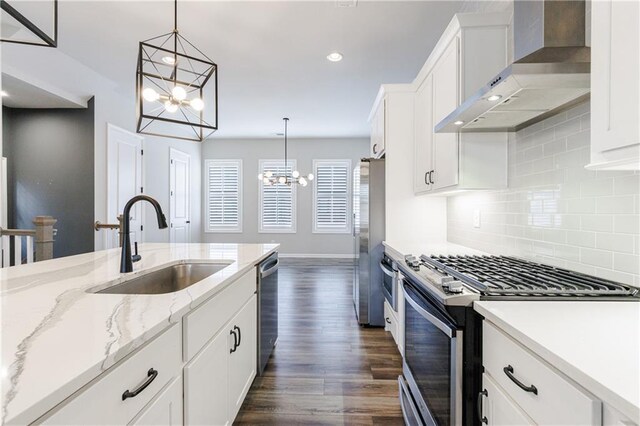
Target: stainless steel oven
[389,286]
[432,367]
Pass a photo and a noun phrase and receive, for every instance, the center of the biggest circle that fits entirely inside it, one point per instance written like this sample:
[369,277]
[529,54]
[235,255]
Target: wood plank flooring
[325,369]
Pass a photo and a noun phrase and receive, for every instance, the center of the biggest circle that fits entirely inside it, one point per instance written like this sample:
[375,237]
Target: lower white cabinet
[391,321]
[543,394]
[218,378]
[497,408]
[166,409]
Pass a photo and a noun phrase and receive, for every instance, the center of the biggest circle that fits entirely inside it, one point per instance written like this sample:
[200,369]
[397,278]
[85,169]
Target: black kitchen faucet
[126,260]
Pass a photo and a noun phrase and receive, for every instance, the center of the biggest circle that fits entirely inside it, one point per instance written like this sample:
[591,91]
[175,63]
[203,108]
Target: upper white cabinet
[472,50]
[378,130]
[615,85]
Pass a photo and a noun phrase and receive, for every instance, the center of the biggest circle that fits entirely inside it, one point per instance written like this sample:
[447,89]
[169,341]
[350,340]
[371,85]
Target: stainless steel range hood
[551,71]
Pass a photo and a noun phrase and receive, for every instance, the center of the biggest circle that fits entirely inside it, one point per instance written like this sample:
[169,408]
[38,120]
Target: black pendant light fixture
[176,88]
[19,28]
[271,178]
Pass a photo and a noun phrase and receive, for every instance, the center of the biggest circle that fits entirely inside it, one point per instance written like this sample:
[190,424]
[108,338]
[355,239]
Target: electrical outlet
[476,218]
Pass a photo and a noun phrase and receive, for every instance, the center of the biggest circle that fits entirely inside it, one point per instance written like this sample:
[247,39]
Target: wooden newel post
[44,237]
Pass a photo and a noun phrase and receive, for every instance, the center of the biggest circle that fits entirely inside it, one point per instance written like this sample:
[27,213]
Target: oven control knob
[453,286]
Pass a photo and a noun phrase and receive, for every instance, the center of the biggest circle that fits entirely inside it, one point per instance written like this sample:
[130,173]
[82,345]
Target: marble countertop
[596,344]
[56,336]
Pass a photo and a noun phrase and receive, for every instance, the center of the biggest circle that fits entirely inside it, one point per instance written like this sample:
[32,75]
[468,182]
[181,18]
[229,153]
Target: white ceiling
[271,55]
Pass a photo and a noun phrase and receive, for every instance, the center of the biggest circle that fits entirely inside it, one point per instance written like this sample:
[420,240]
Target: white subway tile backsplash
[554,210]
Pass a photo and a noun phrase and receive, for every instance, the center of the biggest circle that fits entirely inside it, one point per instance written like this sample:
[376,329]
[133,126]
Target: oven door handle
[386,270]
[445,328]
[404,393]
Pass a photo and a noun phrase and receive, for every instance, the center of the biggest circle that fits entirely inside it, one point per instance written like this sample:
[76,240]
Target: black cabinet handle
[508,370]
[375,149]
[426,178]
[431,176]
[235,327]
[480,395]
[388,320]
[151,376]
[235,341]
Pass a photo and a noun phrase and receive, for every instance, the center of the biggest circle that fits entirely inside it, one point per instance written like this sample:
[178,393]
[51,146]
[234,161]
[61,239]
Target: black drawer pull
[480,395]
[235,341]
[151,376]
[508,370]
[235,327]
[387,320]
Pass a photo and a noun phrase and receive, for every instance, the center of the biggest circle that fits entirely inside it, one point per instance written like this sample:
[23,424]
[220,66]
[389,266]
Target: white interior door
[124,181]
[179,204]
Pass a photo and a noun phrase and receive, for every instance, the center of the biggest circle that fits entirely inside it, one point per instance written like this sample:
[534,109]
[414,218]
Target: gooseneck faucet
[126,261]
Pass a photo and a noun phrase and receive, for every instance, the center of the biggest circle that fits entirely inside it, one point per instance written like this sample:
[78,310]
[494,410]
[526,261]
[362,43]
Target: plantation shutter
[332,196]
[223,195]
[278,202]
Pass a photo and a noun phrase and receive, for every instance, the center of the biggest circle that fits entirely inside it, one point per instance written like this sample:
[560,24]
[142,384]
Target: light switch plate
[476,218]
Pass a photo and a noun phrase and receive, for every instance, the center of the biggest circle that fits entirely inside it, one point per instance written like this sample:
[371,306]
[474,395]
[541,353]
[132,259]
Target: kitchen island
[59,336]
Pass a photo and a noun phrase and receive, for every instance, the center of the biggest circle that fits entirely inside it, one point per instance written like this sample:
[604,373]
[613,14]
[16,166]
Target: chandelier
[271,178]
[176,88]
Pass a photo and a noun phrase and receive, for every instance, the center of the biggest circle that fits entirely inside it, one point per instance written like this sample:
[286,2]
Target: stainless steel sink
[166,280]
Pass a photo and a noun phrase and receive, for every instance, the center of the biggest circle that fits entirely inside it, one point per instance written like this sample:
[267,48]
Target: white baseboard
[316,256]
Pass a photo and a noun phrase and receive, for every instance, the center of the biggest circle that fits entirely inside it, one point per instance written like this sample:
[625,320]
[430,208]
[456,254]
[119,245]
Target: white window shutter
[224,203]
[277,202]
[332,196]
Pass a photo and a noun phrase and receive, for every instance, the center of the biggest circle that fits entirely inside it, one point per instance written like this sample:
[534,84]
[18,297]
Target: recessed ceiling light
[169,60]
[458,123]
[334,56]
[4,94]
[494,98]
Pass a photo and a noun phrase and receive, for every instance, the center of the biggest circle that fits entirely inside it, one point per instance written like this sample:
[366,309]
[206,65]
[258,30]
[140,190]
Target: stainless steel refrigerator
[368,234]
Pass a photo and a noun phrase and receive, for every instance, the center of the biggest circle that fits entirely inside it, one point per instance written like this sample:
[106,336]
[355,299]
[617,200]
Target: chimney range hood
[551,72]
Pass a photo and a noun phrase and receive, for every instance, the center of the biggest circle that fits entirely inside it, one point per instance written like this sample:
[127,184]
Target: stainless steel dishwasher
[267,309]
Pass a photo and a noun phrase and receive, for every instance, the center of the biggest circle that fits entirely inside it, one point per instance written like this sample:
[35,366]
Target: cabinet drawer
[391,321]
[498,409]
[101,402]
[205,321]
[548,398]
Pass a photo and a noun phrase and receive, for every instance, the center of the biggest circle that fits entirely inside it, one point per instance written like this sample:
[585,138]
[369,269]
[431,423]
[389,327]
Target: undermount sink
[167,280]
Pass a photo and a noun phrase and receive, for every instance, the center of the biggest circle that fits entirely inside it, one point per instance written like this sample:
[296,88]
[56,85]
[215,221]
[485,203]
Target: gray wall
[50,171]
[304,151]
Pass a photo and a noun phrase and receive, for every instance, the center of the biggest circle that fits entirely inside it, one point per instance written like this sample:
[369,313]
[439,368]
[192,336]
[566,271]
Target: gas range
[458,280]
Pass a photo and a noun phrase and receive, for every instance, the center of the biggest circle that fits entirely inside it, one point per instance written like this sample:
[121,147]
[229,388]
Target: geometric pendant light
[33,23]
[176,88]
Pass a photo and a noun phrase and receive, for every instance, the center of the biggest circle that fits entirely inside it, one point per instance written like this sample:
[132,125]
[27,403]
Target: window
[277,202]
[223,195]
[331,196]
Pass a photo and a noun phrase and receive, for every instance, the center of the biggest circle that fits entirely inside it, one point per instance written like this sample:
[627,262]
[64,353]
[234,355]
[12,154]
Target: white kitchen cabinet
[615,86]
[471,51]
[498,409]
[218,378]
[611,417]
[206,383]
[166,409]
[243,361]
[423,146]
[378,130]
[535,387]
[391,321]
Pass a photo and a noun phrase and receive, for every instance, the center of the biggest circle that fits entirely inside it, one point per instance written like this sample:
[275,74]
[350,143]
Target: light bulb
[282,179]
[170,106]
[334,56]
[150,95]
[269,174]
[260,176]
[197,104]
[303,181]
[310,176]
[295,174]
[179,93]
[169,60]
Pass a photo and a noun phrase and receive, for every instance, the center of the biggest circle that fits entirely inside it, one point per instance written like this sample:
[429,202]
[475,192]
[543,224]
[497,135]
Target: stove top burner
[508,276]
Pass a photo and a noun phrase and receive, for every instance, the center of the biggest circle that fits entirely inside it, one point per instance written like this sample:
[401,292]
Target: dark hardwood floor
[326,369]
